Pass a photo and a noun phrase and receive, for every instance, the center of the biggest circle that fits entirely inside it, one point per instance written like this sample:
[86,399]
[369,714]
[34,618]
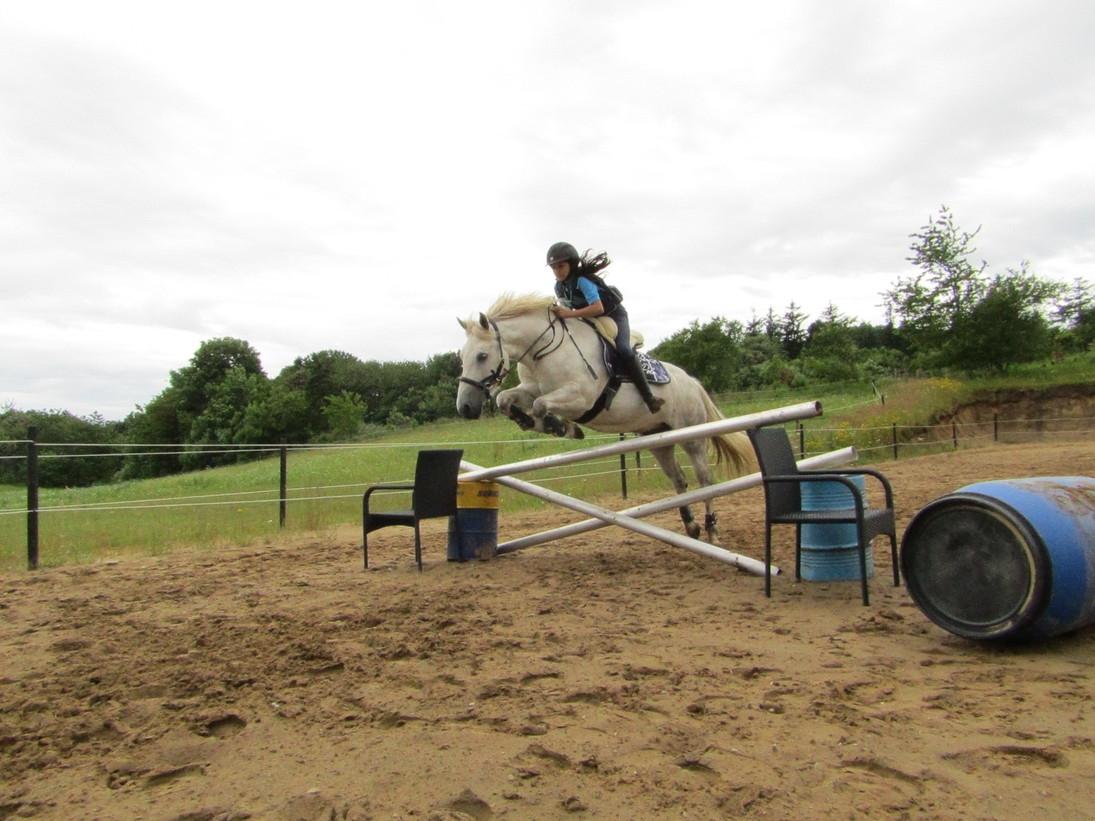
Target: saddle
[655,371]
[606,327]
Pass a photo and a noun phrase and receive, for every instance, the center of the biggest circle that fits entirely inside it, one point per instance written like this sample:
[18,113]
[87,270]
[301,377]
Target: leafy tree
[1076,311]
[771,324]
[155,423]
[324,374]
[928,304]
[1007,325]
[221,420]
[345,414]
[710,352]
[831,339]
[792,334]
[211,363]
[868,337]
[278,414]
[755,326]
[830,353]
[57,426]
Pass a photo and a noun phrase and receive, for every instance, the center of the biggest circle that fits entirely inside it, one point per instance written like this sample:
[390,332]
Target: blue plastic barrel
[1011,559]
[473,531]
[830,551]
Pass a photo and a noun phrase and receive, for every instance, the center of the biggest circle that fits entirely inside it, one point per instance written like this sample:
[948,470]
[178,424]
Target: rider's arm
[596,309]
[593,297]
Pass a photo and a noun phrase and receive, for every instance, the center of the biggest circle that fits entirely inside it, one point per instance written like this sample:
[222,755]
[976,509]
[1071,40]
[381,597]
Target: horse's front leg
[516,403]
[555,409]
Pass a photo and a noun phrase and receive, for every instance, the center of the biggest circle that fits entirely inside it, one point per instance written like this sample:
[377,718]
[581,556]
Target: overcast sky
[354,176]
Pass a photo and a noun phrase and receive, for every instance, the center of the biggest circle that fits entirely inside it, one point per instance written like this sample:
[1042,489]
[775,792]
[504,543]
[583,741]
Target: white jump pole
[611,517]
[706,430]
[825,460]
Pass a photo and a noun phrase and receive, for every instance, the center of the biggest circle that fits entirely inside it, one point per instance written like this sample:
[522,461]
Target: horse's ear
[463,324]
[483,322]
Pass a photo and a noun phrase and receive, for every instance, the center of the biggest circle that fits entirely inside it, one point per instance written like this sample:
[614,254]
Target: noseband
[500,372]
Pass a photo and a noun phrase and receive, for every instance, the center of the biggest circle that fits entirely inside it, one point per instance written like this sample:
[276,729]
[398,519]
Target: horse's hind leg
[697,454]
[668,464]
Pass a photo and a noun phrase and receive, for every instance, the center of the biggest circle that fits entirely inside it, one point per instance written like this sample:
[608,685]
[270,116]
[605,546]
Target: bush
[830,369]
[58,426]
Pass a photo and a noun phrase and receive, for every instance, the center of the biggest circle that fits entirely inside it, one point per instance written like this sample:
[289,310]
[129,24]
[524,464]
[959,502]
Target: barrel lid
[975,566]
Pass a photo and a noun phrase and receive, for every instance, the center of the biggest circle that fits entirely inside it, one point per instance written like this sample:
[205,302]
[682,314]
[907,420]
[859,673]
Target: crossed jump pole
[629,519]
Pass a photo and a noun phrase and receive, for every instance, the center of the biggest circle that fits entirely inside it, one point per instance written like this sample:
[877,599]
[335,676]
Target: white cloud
[353,176]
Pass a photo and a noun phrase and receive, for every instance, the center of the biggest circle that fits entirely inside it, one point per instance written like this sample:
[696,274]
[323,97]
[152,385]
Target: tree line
[224,398]
[951,314]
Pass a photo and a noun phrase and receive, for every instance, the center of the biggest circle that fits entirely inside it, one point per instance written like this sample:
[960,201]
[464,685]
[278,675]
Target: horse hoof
[693,530]
[554,426]
[579,433]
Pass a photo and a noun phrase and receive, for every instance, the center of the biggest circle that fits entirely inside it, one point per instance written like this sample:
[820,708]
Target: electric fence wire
[233,497]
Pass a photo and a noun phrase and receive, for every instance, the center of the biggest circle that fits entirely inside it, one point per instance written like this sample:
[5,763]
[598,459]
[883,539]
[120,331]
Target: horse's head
[482,366]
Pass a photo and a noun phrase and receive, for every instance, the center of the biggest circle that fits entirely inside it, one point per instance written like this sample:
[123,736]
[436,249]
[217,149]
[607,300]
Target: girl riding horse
[583,294]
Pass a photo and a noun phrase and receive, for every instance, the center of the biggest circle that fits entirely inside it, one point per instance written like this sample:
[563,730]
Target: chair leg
[365,533]
[798,552]
[417,546]
[863,568]
[768,560]
[893,558]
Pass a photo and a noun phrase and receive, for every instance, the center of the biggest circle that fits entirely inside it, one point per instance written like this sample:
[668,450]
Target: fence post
[893,435]
[995,428]
[32,498]
[801,441]
[623,471]
[954,433]
[283,483]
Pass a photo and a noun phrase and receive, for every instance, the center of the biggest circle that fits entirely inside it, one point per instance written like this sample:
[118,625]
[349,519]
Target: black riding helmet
[562,252]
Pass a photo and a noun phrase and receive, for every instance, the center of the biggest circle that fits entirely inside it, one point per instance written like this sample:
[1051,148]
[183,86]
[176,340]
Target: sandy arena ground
[608,676]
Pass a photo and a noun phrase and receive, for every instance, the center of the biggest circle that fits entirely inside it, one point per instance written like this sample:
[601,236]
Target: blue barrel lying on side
[1011,559]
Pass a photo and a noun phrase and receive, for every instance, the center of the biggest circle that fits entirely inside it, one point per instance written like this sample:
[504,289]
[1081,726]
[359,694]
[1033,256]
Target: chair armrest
[857,497]
[886,486]
[383,486]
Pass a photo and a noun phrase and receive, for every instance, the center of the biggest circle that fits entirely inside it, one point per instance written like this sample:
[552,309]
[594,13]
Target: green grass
[238,504]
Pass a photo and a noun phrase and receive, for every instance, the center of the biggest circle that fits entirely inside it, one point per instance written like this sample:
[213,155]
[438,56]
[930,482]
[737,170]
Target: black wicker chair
[783,503]
[433,494]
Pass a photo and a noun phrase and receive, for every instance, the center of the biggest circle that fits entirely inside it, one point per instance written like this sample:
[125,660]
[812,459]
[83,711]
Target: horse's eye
[482,357]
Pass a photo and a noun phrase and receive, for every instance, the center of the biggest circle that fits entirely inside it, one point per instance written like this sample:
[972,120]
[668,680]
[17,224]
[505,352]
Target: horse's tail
[733,449]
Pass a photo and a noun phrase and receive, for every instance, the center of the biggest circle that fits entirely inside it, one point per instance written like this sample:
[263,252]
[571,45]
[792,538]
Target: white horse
[563,376]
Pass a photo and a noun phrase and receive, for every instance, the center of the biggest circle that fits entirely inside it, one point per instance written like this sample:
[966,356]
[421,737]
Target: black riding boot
[635,371]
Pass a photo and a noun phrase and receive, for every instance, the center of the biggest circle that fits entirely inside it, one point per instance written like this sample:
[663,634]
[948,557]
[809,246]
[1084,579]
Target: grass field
[239,504]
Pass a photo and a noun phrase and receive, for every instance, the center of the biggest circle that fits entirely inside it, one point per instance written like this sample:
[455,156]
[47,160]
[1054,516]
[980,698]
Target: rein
[582,356]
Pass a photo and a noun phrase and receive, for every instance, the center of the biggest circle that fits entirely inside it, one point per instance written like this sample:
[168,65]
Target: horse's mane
[509,305]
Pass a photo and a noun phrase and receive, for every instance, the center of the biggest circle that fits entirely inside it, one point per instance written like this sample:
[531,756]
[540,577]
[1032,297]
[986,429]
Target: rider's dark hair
[590,263]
